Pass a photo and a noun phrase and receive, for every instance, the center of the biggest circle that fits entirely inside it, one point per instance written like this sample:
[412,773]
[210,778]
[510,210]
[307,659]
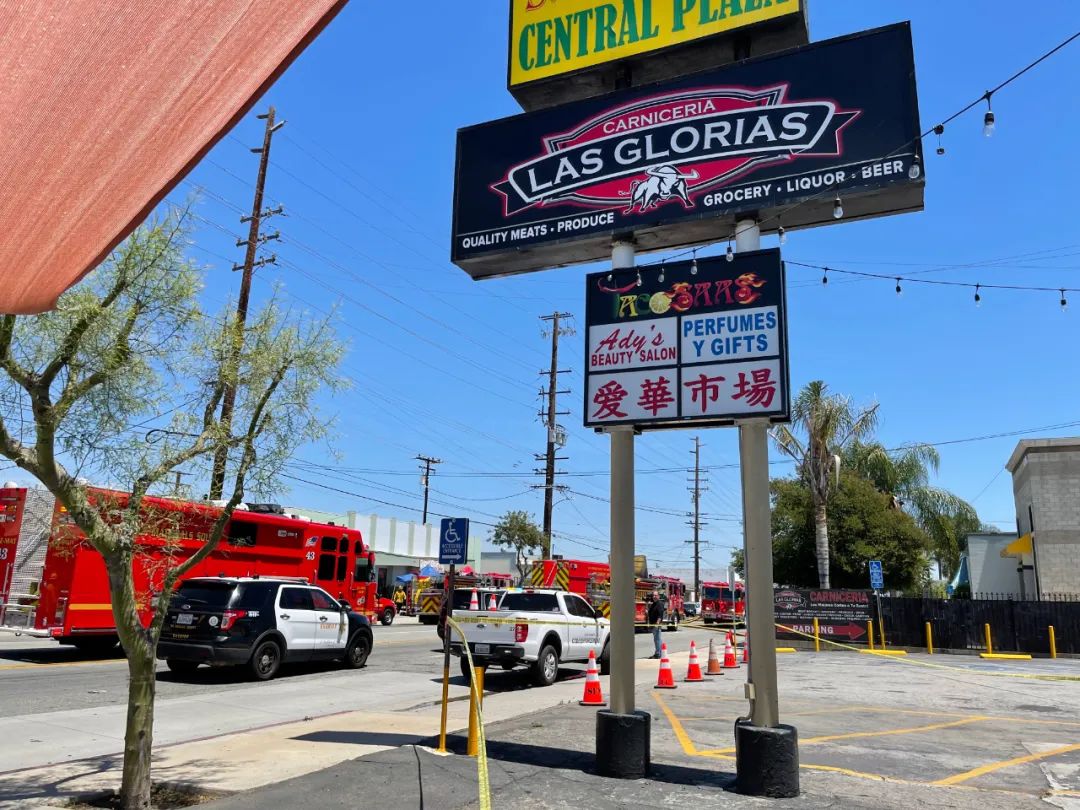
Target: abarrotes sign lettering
[677,163]
[703,343]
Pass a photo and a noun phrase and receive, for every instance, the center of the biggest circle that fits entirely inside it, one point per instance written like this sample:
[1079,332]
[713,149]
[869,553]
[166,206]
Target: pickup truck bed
[535,628]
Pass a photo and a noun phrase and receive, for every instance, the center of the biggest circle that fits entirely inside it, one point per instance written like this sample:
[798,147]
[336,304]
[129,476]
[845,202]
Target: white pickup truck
[534,628]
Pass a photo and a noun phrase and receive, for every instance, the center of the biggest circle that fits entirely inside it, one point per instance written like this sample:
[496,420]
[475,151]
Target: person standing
[654,618]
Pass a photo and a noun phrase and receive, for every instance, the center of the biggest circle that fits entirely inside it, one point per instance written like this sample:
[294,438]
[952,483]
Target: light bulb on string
[988,119]
[915,169]
[782,234]
[660,278]
[730,251]
[825,276]
[898,290]
[638,278]
[693,265]
[978,298]
[939,130]
[837,208]
[610,278]
[1064,303]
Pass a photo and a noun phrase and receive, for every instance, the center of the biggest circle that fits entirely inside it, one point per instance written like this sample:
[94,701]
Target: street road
[41,676]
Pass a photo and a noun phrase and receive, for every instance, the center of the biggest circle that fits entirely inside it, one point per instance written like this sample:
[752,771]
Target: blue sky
[448,367]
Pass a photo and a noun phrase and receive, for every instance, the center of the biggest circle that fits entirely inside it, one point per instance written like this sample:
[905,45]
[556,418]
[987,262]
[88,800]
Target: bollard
[474,710]
[1053,643]
[870,633]
[929,639]
[817,636]
[989,643]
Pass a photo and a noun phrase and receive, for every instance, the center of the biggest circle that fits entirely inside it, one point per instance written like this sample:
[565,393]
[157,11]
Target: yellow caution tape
[1028,676]
[483,784]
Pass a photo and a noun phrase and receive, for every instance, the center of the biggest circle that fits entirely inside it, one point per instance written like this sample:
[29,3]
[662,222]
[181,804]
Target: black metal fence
[958,624]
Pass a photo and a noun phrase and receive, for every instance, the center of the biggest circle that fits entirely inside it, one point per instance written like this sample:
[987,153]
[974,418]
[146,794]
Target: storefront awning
[1018,547]
[107,104]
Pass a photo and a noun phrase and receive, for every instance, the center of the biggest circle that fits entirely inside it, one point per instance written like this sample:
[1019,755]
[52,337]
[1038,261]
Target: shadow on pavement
[363,738]
[496,681]
[58,655]
[542,756]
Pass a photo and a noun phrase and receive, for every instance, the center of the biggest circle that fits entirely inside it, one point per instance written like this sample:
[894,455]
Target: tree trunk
[139,733]
[821,544]
[142,684]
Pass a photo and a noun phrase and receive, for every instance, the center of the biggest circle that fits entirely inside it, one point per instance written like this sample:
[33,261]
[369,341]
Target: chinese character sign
[695,344]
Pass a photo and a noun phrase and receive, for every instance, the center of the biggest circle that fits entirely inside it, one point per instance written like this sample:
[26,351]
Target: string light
[915,169]
[638,278]
[988,119]
[782,234]
[660,278]
[1064,303]
[939,130]
[693,264]
[978,298]
[898,290]
[730,252]
[610,278]
[837,208]
[825,277]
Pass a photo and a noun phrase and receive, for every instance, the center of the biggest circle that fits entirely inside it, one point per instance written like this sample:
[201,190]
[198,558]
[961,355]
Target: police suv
[259,623]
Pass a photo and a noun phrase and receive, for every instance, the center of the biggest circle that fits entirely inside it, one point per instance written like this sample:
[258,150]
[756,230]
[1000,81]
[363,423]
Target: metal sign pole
[767,757]
[446,657]
[622,734]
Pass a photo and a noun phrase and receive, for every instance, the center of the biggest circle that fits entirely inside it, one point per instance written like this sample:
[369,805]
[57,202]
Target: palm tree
[904,474]
[830,423]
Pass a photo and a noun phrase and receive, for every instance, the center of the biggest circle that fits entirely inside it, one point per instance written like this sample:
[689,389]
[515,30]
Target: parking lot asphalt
[941,731]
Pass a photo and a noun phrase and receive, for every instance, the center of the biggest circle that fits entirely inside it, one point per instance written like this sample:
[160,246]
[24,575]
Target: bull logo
[662,184]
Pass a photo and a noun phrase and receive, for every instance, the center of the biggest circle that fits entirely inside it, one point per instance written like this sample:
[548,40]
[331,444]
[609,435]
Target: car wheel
[356,654]
[181,667]
[546,668]
[387,617]
[466,671]
[266,660]
[605,660]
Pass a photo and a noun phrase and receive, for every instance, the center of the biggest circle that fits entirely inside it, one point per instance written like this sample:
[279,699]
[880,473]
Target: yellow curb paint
[1007,763]
[786,649]
[1007,656]
[883,652]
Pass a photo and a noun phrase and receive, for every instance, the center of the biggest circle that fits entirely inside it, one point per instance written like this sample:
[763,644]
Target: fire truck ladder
[17,614]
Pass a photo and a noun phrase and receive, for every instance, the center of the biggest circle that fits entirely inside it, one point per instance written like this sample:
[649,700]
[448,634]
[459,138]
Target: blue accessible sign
[877,578]
[453,540]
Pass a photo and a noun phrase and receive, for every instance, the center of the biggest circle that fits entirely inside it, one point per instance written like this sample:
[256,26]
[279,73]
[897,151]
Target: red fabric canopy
[106,104]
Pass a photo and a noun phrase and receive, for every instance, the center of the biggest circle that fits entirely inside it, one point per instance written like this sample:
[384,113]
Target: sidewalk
[400,709]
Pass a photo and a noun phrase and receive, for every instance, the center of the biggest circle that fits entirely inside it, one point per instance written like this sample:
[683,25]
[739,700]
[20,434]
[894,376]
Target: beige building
[1046,488]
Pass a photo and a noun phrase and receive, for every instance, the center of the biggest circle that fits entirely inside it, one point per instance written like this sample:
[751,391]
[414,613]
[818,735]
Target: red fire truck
[722,603]
[65,596]
[593,581]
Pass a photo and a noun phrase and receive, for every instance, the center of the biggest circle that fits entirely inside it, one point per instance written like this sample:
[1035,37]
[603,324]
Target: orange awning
[107,104]
[1021,545]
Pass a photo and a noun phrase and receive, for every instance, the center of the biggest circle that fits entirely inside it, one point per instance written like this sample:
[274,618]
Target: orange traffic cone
[492,604]
[594,696]
[474,603]
[665,680]
[730,662]
[714,661]
[693,669]
[746,648]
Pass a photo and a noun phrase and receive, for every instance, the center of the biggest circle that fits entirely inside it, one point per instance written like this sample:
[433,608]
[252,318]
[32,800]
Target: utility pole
[254,240]
[696,517]
[425,479]
[556,437]
[176,482]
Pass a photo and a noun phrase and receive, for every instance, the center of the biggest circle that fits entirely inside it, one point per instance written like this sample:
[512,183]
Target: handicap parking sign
[453,540]
[877,577]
